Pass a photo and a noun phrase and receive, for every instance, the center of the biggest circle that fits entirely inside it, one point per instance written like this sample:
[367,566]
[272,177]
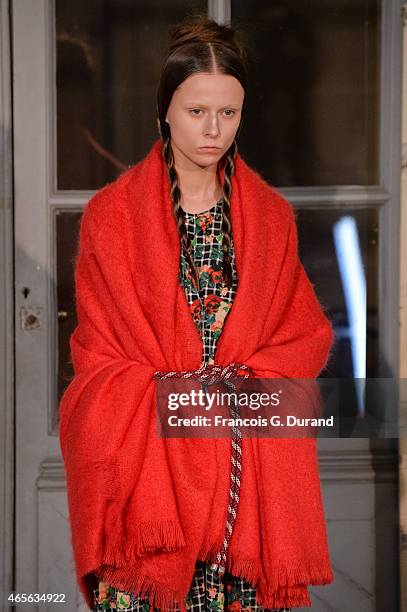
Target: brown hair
[199,44]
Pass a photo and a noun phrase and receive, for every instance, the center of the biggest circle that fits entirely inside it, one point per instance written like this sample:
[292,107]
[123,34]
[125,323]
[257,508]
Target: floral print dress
[209,305]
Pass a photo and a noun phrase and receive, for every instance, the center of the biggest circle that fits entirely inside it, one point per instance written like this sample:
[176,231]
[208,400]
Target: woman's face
[205,110]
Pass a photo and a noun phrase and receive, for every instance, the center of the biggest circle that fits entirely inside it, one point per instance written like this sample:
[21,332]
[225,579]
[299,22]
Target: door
[325,98]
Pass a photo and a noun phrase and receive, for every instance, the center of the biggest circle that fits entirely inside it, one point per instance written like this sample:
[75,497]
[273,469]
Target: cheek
[231,130]
[185,127]
[234,126]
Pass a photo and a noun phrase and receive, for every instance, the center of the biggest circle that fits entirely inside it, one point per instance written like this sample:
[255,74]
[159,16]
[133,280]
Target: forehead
[204,86]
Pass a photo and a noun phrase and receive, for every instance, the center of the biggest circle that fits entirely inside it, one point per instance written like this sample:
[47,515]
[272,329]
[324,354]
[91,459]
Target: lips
[209,148]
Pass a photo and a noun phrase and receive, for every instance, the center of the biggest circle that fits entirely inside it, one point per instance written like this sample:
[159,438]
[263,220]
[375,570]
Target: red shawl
[143,509]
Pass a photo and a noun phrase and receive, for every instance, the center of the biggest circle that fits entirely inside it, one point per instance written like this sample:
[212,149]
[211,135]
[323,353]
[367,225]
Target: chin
[205,161]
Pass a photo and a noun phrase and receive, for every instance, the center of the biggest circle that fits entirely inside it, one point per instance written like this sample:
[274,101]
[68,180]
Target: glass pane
[67,234]
[314,90]
[109,57]
[339,250]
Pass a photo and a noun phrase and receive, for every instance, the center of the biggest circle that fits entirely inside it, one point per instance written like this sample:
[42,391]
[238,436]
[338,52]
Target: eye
[192,111]
[231,111]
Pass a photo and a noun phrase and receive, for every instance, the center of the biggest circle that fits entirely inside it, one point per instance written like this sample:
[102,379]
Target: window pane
[67,235]
[109,57]
[313,100]
[339,251]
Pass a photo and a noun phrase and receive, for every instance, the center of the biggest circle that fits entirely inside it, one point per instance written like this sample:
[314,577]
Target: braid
[226,224]
[201,45]
[178,211]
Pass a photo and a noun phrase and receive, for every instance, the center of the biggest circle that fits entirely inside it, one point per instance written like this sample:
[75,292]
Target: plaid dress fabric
[210,304]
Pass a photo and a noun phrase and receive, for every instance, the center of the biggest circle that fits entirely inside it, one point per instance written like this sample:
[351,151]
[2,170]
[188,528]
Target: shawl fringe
[126,546]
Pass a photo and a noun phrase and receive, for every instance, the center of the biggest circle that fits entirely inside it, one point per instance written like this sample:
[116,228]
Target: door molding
[403,327]
[6,311]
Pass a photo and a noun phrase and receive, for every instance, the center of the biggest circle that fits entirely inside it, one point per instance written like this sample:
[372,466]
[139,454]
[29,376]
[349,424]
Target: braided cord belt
[207,375]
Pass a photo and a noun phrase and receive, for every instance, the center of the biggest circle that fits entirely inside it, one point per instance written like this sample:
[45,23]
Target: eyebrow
[200,104]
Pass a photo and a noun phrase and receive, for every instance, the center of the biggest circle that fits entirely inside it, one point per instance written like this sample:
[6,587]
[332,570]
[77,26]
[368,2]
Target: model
[187,267]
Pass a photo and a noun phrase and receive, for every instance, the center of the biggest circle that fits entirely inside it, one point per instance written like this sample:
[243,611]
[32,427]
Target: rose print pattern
[211,301]
[207,593]
[209,304]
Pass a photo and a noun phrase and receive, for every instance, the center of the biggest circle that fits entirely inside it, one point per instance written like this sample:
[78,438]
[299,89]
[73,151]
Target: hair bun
[202,29]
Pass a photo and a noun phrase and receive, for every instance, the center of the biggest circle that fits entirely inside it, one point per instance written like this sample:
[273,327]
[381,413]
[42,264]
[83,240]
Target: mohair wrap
[144,508]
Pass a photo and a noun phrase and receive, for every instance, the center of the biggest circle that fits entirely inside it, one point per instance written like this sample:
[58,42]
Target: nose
[212,125]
